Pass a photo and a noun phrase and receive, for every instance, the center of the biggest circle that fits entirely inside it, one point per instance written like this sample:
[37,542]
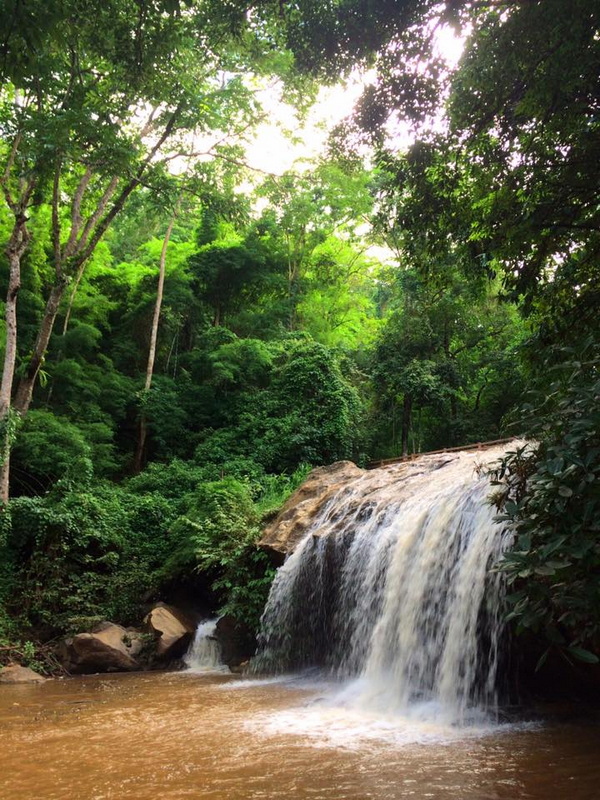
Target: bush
[86,553]
[47,449]
[217,536]
[549,494]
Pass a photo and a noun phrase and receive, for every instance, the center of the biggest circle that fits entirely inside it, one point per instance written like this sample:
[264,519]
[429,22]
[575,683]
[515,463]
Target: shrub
[549,494]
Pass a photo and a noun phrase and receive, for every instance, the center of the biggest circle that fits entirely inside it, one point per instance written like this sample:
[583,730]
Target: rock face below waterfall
[296,516]
[236,640]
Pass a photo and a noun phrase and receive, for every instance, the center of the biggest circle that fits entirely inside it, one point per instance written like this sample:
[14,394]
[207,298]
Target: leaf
[542,660]
[545,569]
[510,508]
[583,655]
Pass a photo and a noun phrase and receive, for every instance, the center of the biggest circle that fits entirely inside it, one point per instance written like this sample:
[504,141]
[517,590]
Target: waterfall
[204,654]
[392,588]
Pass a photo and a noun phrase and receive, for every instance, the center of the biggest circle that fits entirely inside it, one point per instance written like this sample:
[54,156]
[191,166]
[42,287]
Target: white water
[204,654]
[392,592]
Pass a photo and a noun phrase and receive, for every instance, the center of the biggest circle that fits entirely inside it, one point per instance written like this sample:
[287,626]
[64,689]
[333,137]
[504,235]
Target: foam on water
[334,719]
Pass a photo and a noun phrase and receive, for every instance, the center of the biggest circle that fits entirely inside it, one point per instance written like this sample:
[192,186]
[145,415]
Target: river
[158,736]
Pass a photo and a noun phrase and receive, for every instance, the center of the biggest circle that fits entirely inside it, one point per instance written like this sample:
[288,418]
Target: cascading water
[392,587]
[204,654]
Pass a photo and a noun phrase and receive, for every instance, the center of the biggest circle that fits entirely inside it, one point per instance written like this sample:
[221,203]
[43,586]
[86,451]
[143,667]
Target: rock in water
[108,648]
[174,630]
[15,673]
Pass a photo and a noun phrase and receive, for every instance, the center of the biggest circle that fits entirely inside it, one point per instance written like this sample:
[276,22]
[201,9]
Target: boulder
[15,673]
[283,534]
[173,629]
[362,491]
[108,648]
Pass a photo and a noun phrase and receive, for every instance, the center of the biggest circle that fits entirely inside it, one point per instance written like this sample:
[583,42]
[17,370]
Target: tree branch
[76,218]
[129,187]
[7,170]
[56,219]
[93,219]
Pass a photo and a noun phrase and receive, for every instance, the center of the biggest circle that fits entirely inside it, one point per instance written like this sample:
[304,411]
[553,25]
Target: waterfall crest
[391,586]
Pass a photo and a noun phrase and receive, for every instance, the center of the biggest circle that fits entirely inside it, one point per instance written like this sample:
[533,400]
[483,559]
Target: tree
[141,443]
[339,307]
[446,359]
[93,110]
[303,210]
[513,174]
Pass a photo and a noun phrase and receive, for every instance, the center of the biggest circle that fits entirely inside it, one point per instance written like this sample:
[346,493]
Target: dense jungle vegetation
[184,336]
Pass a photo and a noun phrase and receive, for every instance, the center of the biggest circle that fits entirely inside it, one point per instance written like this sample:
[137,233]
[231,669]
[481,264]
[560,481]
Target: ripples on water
[160,736]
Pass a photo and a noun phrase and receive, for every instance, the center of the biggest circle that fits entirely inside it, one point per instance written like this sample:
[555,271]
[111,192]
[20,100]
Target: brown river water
[151,736]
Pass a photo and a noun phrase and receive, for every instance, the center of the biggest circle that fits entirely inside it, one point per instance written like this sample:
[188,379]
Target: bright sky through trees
[274,151]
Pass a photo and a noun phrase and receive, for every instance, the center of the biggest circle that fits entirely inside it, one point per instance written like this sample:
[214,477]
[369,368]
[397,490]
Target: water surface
[157,736]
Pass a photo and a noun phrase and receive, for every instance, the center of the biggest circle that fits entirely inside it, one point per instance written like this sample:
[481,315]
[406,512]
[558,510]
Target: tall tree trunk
[138,460]
[27,382]
[65,328]
[406,414]
[15,249]
[69,311]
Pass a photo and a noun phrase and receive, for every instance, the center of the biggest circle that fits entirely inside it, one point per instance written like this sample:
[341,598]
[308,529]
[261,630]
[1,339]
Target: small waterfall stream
[392,589]
[204,654]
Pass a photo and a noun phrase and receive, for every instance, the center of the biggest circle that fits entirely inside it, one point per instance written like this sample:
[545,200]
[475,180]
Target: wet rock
[283,534]
[15,673]
[173,629]
[236,640]
[240,669]
[108,648]
[363,490]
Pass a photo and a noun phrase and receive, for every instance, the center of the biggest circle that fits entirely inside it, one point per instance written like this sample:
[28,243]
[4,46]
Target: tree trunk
[27,382]
[406,414]
[15,249]
[138,460]
[140,450]
[65,328]
[78,278]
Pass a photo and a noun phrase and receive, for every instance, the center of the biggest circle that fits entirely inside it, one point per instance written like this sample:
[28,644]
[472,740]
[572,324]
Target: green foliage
[9,429]
[172,481]
[318,409]
[217,536]
[49,448]
[167,418]
[286,405]
[445,365]
[241,364]
[274,490]
[77,553]
[548,494]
